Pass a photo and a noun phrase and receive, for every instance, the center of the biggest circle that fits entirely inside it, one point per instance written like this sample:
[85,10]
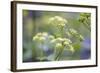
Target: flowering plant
[58,43]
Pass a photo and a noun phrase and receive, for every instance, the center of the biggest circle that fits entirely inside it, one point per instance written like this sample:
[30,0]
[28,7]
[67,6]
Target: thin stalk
[41,51]
[62,32]
[59,54]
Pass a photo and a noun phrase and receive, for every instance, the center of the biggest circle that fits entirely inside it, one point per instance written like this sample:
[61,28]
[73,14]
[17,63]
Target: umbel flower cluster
[58,21]
[60,43]
[85,19]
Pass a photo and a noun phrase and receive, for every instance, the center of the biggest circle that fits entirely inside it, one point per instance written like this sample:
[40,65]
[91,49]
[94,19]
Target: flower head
[53,41]
[45,34]
[72,31]
[67,40]
[61,25]
[71,48]
[40,37]
[39,34]
[58,45]
[58,21]
[76,34]
[59,39]
[35,38]
[65,43]
[81,37]
[51,37]
[61,42]
[68,34]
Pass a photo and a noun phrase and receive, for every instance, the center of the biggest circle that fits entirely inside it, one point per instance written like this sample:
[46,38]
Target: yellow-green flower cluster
[75,34]
[85,19]
[40,37]
[61,43]
[58,21]
[51,37]
[72,31]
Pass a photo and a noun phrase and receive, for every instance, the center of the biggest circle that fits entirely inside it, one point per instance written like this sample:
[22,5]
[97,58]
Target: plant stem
[59,54]
[41,51]
[62,32]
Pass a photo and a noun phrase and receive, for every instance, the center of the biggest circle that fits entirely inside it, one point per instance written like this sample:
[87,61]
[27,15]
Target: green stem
[59,54]
[62,31]
[41,51]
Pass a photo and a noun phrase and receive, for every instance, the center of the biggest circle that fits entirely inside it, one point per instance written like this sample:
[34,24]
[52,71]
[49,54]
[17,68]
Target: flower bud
[81,37]
[41,39]
[45,34]
[72,49]
[51,37]
[58,45]
[35,38]
[73,32]
[65,43]
[53,41]
[67,40]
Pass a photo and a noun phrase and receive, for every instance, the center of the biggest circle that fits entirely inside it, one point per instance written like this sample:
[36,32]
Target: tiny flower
[45,34]
[51,37]
[81,37]
[65,43]
[61,25]
[77,35]
[58,45]
[58,21]
[42,38]
[53,41]
[35,38]
[67,40]
[52,20]
[59,39]
[73,31]
[71,49]
[58,18]
[68,34]
[39,34]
